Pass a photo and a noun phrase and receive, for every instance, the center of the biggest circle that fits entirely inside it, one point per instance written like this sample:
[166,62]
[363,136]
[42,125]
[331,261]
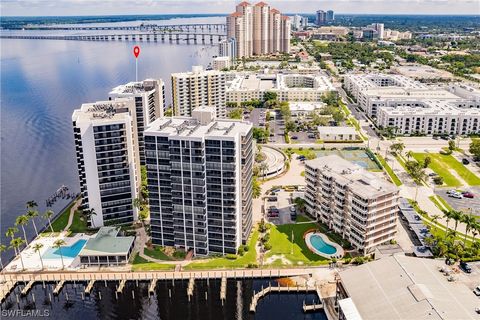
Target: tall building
[330,16]
[200,182]
[321,18]
[356,204]
[299,22]
[258,30]
[107,152]
[149,97]
[228,48]
[379,27]
[198,88]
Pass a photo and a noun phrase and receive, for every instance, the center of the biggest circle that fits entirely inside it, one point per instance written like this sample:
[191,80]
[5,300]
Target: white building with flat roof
[200,182]
[300,109]
[198,88]
[220,63]
[355,203]
[108,162]
[327,133]
[289,87]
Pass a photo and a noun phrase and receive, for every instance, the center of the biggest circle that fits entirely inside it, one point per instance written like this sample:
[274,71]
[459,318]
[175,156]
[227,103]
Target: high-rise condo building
[228,48]
[200,182]
[149,97]
[198,88]
[258,29]
[330,16]
[356,204]
[321,17]
[107,152]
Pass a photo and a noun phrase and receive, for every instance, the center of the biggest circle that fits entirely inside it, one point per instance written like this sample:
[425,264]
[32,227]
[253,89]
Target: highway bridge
[210,27]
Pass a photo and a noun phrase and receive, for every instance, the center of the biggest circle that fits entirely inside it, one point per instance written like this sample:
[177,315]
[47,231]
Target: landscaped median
[389,170]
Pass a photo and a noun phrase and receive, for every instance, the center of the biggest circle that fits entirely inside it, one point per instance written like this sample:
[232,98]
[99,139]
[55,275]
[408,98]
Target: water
[42,82]
[65,251]
[319,244]
[103,304]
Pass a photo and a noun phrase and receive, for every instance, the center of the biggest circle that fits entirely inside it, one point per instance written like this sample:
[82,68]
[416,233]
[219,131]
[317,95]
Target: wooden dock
[312,307]
[58,287]
[277,289]
[89,287]
[6,288]
[121,285]
[27,287]
[191,286]
[151,288]
[223,289]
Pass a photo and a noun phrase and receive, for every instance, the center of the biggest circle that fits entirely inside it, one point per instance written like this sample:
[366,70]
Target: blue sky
[103,7]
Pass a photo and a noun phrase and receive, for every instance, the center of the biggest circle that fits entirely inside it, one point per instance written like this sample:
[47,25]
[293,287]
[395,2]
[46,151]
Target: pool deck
[338,254]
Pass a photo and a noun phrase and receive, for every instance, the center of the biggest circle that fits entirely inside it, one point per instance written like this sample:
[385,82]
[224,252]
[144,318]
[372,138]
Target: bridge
[155,37]
[143,27]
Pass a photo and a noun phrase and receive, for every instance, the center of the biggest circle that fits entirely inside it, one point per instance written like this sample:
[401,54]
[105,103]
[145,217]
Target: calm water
[42,82]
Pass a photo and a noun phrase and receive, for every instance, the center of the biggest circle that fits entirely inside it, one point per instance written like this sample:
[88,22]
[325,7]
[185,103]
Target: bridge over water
[199,27]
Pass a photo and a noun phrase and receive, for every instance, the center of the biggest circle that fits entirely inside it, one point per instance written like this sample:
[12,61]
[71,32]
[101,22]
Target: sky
[117,7]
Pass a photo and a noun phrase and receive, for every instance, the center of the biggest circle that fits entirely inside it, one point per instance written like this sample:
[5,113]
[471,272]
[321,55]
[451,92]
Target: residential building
[289,87]
[106,145]
[370,34]
[220,63]
[330,15]
[149,97]
[379,28]
[200,182]
[300,109]
[351,201]
[329,133]
[198,88]
[321,18]
[258,30]
[228,48]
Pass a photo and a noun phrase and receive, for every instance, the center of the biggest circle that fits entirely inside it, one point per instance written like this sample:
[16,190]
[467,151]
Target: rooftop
[107,242]
[134,87]
[337,130]
[104,111]
[401,287]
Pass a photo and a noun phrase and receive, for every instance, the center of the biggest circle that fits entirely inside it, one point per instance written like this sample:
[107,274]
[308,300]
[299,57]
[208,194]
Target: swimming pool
[66,251]
[321,245]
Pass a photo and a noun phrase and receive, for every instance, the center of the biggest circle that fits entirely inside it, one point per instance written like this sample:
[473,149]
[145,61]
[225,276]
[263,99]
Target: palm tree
[263,168]
[3,248]
[409,154]
[457,216]
[58,244]
[448,216]
[48,215]
[37,248]
[31,214]
[17,243]
[22,221]
[469,221]
[11,233]
[435,218]
[475,230]
[31,204]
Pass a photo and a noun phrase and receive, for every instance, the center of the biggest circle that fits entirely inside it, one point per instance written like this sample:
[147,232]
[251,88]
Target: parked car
[465,161]
[311,136]
[456,195]
[451,191]
[294,137]
[468,194]
[293,209]
[433,174]
[272,199]
[435,138]
[444,137]
[465,267]
[301,158]
[477,291]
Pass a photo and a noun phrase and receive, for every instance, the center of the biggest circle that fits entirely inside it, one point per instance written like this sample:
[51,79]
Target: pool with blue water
[320,244]
[66,251]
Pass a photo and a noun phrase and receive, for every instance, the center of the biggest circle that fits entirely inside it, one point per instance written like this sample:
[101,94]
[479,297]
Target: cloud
[103,7]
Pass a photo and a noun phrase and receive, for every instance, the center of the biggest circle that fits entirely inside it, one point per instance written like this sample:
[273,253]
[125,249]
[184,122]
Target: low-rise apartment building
[354,203]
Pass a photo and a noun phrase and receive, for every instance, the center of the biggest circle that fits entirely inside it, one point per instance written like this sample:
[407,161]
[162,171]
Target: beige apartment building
[258,30]
[351,201]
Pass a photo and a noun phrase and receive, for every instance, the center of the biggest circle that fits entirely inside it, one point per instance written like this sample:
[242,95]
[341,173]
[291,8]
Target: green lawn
[141,264]
[389,170]
[79,223]
[156,253]
[62,220]
[249,257]
[302,218]
[441,164]
[281,241]
[438,201]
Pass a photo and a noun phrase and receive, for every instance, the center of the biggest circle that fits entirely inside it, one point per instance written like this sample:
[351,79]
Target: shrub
[241,251]
[231,256]
[438,180]
[252,265]
[359,260]
[246,247]
[267,246]
[347,260]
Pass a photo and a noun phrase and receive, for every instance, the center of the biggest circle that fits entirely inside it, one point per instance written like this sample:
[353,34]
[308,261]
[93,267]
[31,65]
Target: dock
[58,287]
[121,285]
[257,296]
[89,287]
[151,288]
[27,288]
[223,289]
[6,288]
[312,307]
[191,286]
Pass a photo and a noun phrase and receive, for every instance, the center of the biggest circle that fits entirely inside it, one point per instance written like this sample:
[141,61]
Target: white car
[477,291]
[456,195]
[449,192]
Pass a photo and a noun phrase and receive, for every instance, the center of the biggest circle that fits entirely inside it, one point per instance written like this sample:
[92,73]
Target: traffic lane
[463,204]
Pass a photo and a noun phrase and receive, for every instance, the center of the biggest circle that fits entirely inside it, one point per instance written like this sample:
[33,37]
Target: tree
[268,95]
[409,154]
[451,145]
[48,215]
[37,248]
[32,214]
[17,243]
[3,248]
[256,189]
[263,168]
[438,180]
[260,134]
[236,113]
[426,162]
[416,171]
[22,221]
[475,148]
[11,233]
[448,217]
[435,218]
[58,244]
[469,221]
[397,148]
[457,216]
[299,203]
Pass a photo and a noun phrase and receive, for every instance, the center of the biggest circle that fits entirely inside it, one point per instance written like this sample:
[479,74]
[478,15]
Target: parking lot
[282,202]
[465,203]
[302,137]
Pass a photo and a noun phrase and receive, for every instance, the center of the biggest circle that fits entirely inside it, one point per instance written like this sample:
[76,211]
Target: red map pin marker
[136,51]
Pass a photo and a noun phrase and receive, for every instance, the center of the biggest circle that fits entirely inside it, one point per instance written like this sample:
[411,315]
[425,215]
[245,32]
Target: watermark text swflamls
[40,313]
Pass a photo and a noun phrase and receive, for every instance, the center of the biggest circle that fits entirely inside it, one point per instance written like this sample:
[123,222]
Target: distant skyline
[132,7]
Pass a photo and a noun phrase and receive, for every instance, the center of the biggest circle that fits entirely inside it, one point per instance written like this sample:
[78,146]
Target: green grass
[249,257]
[302,218]
[79,223]
[402,163]
[62,220]
[389,170]
[441,164]
[141,264]
[281,241]
[345,109]
[157,253]
[438,201]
